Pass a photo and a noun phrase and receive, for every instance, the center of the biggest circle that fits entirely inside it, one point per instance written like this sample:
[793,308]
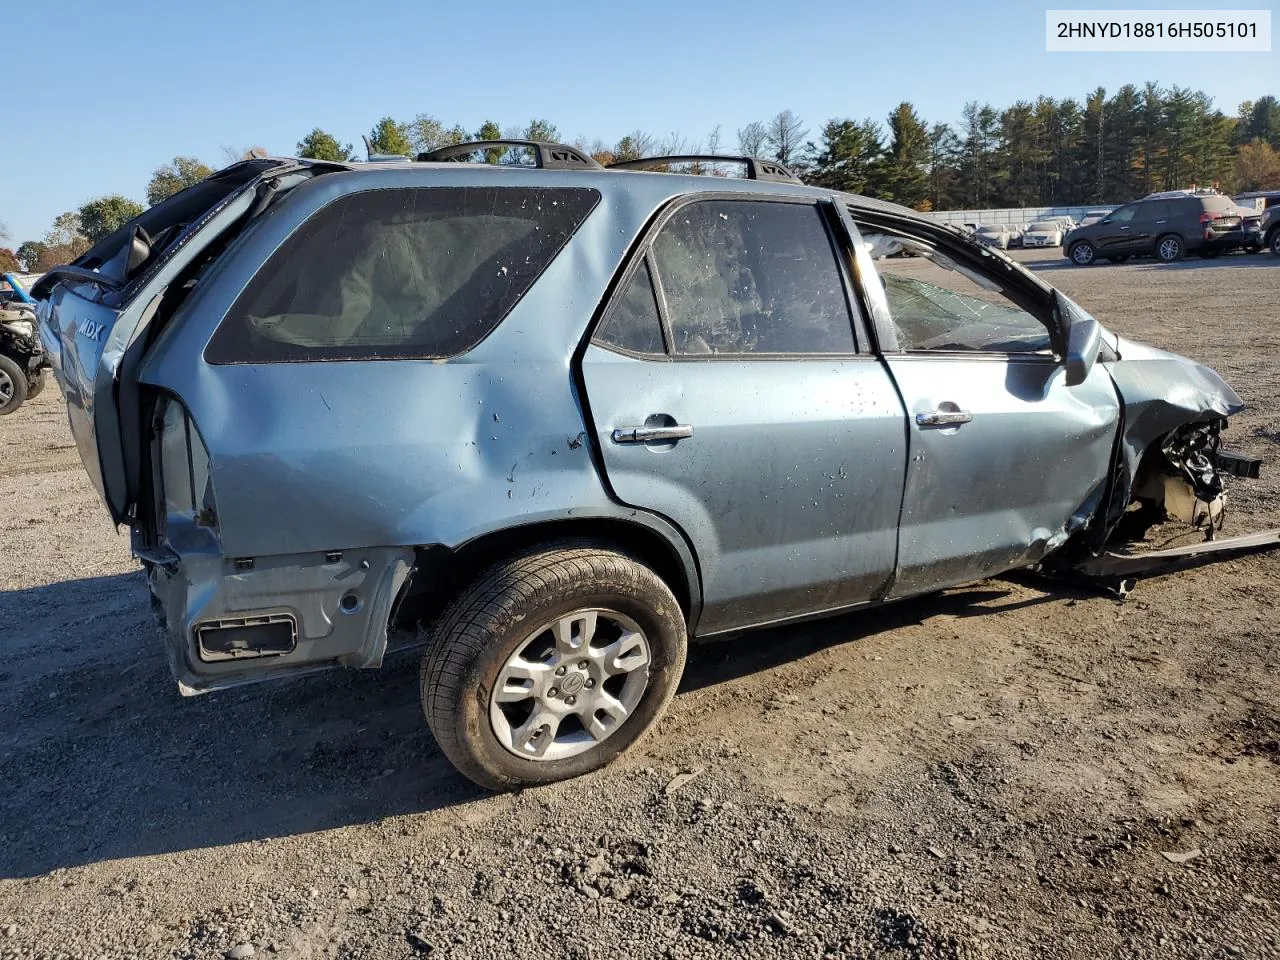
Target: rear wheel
[13,385]
[551,664]
[1274,243]
[1082,253]
[1169,248]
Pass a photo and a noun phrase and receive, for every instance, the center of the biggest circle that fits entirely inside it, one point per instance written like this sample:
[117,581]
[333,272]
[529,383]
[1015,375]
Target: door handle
[1124,228]
[679,431]
[1161,221]
[943,418]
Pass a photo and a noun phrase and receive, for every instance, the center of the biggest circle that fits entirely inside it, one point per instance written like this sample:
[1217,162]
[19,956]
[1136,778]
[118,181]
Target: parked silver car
[1043,233]
[568,418]
[993,235]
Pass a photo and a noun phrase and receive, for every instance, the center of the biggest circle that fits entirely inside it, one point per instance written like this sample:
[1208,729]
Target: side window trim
[660,295]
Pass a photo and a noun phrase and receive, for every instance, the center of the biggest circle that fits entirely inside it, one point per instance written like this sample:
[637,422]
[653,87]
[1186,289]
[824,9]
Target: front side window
[1124,214]
[938,304]
[399,273]
[751,277]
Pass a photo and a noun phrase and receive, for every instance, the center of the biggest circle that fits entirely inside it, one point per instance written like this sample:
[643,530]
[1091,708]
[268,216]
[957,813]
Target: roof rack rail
[756,168]
[372,157]
[546,156]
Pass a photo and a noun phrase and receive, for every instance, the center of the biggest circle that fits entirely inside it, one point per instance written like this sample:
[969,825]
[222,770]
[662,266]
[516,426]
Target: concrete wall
[1019,214]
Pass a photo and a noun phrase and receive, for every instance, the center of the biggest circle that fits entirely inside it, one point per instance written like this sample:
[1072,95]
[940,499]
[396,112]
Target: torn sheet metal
[1161,392]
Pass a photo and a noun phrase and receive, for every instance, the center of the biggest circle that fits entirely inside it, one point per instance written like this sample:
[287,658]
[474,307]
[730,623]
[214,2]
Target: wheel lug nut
[552,692]
[560,671]
[582,664]
[590,683]
[571,700]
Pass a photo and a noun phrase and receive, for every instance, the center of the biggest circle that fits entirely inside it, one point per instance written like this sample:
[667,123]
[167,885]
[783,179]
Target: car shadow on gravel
[103,760]
[737,655]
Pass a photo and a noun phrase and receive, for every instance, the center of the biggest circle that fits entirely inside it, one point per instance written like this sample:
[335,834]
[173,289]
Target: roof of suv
[763,176]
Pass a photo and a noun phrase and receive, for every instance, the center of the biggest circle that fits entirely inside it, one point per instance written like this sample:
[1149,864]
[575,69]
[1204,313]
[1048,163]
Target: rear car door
[1005,460]
[728,393]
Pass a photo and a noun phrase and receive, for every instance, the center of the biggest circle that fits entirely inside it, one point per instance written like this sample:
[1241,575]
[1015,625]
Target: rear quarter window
[416,273]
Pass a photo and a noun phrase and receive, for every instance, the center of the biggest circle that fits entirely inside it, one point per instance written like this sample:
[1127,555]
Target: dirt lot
[999,772]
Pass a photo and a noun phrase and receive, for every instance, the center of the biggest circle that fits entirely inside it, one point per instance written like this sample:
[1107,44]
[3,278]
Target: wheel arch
[440,571]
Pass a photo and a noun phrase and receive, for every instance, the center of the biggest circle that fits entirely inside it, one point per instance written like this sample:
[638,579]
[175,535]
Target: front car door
[1005,460]
[729,393]
[1115,231]
[1149,221]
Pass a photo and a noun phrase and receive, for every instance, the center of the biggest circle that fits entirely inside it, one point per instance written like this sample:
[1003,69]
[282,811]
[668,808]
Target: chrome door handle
[943,418]
[681,431]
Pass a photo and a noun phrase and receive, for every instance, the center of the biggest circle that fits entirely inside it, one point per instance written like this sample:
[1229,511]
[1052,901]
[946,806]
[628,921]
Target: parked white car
[1043,233]
[993,235]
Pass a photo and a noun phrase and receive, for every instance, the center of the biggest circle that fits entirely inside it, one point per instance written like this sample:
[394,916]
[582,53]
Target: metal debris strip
[1126,564]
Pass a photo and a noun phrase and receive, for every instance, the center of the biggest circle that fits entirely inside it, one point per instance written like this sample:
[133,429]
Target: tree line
[1042,152]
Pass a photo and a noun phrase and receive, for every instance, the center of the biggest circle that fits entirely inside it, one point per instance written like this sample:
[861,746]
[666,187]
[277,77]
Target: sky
[101,94]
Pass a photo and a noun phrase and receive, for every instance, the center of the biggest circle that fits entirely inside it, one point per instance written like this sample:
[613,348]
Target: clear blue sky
[100,94]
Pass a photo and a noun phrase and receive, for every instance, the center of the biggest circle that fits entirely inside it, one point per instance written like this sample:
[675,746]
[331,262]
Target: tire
[1119,258]
[13,385]
[509,611]
[1082,253]
[35,386]
[1170,248]
[1273,243]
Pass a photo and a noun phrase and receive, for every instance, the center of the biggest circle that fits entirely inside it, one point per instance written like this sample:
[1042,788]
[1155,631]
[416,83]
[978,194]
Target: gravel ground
[1008,770]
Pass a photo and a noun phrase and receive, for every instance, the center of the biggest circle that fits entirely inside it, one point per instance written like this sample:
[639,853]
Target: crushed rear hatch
[96,313]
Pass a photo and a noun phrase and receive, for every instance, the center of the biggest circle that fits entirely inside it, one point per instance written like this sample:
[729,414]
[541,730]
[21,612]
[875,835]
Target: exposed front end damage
[1173,411]
[1168,465]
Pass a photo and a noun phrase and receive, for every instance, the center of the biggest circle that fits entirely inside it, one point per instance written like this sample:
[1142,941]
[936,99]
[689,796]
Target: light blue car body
[809,484]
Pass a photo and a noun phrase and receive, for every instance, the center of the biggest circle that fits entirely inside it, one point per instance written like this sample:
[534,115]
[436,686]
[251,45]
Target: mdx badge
[90,329]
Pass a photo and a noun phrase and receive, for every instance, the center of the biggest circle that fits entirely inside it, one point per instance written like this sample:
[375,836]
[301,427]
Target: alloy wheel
[6,388]
[1170,249]
[570,685]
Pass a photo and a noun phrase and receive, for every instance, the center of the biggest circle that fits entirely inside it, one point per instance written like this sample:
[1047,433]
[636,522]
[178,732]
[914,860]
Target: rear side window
[633,322]
[399,274]
[752,277]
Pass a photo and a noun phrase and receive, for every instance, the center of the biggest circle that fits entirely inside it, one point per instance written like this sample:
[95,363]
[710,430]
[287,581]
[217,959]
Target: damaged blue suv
[568,418]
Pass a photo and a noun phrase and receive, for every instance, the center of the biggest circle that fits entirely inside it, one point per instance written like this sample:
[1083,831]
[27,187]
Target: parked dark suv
[1165,226]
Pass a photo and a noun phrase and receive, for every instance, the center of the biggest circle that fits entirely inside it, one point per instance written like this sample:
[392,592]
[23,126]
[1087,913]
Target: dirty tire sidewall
[35,386]
[1169,248]
[485,624]
[16,379]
